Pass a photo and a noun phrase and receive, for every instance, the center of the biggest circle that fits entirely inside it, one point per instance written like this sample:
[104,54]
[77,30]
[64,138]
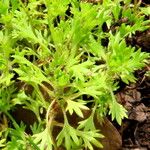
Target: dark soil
[135,130]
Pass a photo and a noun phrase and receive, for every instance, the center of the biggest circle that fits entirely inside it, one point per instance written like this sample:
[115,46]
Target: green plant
[50,60]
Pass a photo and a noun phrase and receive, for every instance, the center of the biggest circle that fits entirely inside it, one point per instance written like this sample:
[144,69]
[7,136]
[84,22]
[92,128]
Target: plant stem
[12,119]
[49,120]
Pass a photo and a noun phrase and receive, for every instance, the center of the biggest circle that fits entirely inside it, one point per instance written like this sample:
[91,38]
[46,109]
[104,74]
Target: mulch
[135,130]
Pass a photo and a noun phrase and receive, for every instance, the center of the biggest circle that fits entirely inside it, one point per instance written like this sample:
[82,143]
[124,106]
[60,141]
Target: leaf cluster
[52,56]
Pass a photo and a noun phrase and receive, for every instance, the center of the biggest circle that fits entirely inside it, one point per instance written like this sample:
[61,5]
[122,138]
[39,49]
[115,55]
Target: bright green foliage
[146,10]
[42,140]
[76,107]
[49,58]
[117,110]
[124,60]
[89,139]
[69,135]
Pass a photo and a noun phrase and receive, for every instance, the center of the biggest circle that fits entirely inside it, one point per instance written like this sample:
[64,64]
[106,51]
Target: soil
[135,130]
